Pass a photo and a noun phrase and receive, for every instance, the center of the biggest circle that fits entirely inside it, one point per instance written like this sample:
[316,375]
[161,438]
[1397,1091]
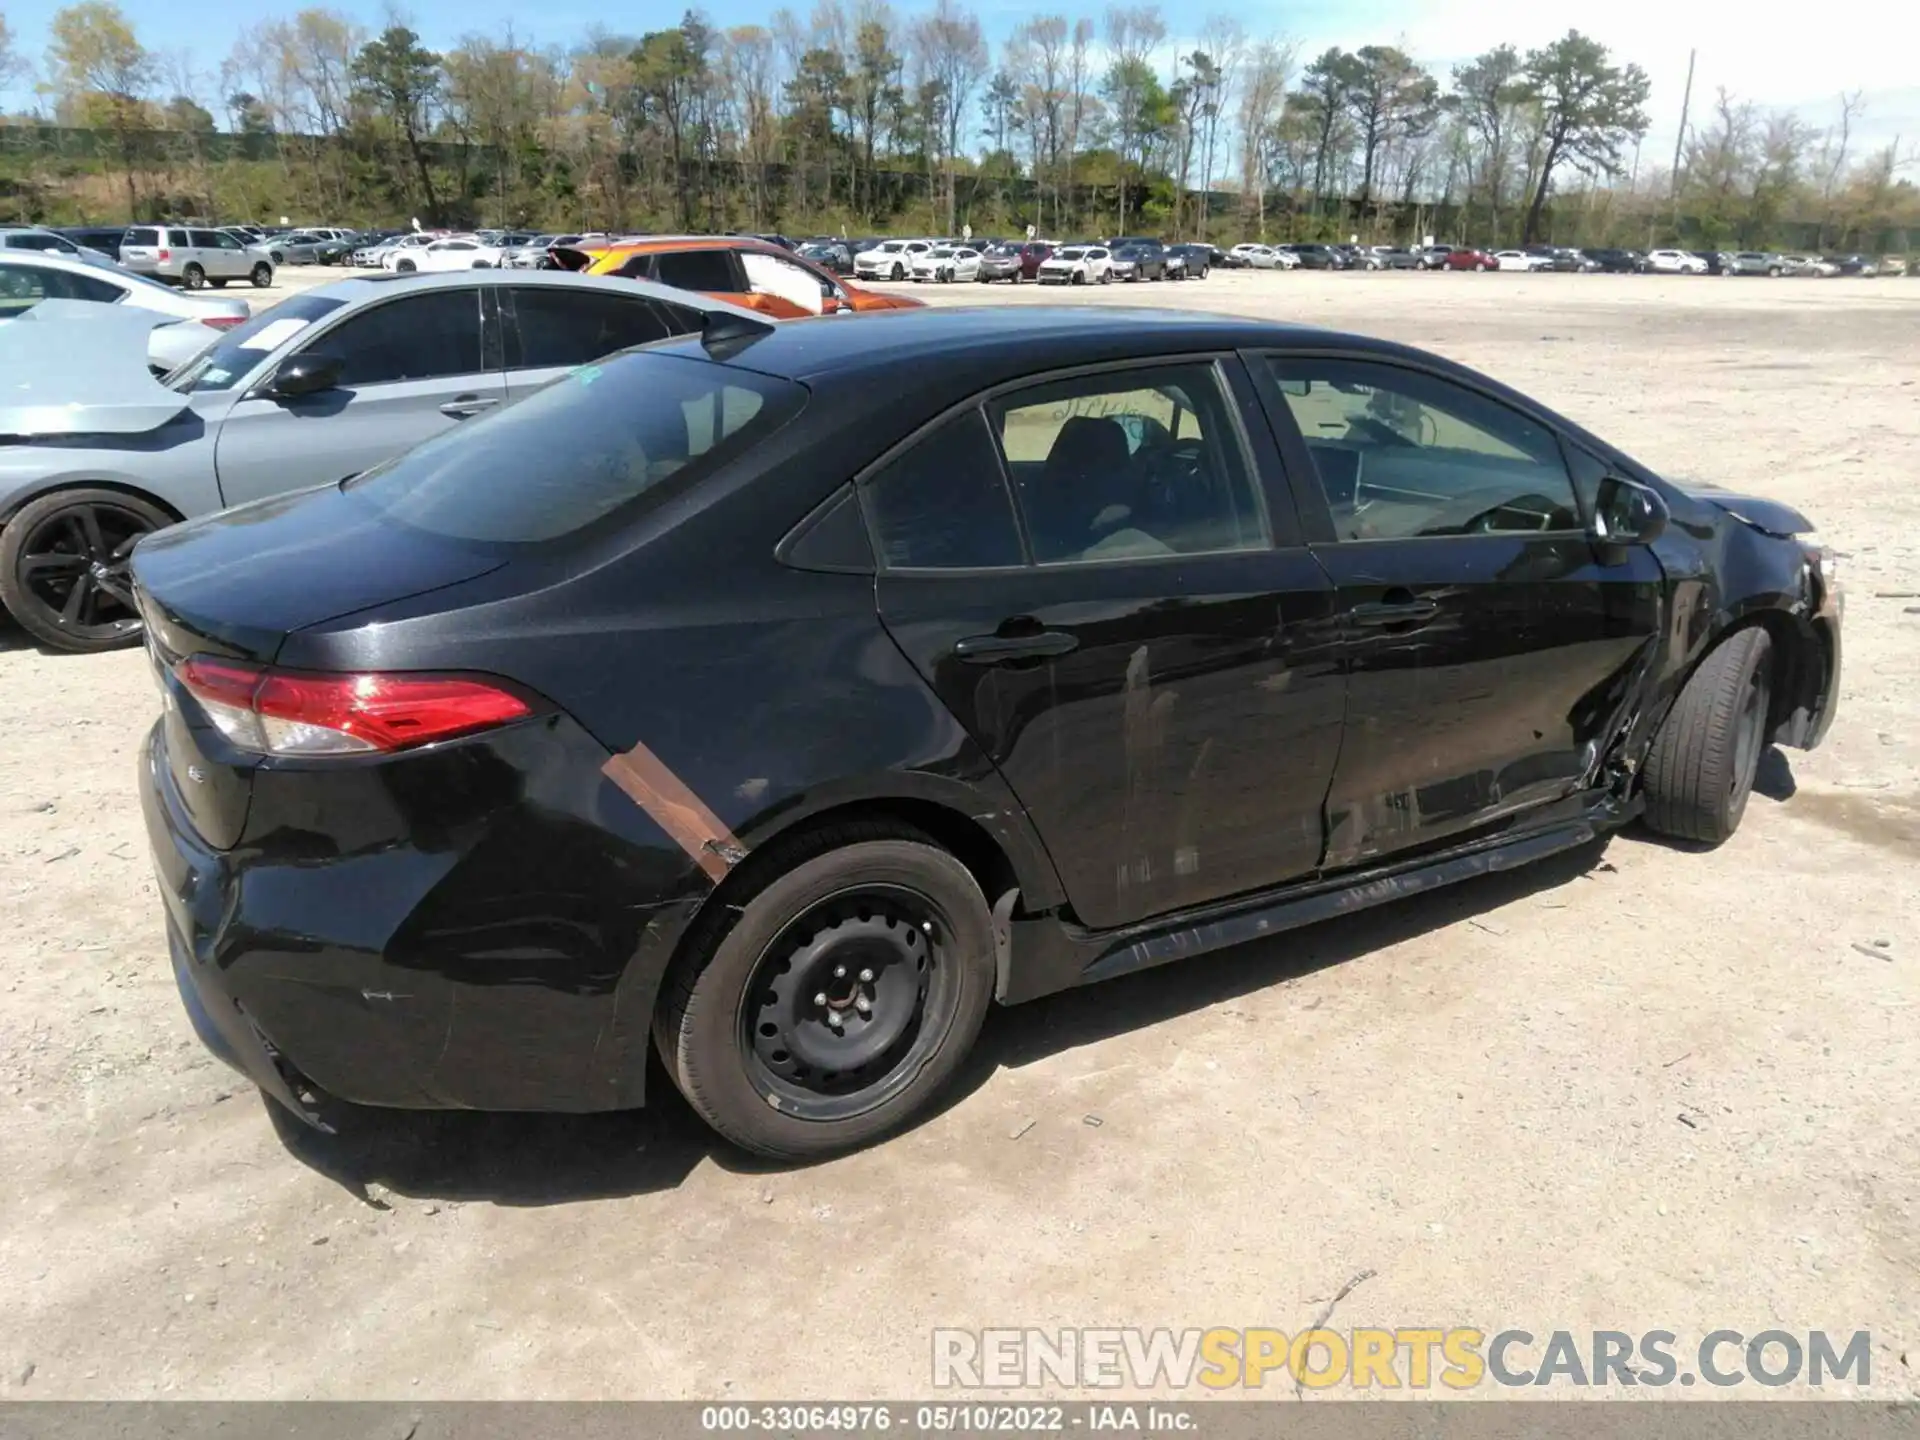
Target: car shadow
[1774,776]
[1772,780]
[520,1159]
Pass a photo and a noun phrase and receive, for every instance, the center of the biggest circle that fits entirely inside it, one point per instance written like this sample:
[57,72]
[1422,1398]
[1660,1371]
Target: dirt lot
[1638,1088]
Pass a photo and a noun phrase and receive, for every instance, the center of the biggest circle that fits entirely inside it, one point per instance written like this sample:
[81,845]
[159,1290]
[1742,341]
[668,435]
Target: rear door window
[570,327]
[581,449]
[424,336]
[1130,464]
[709,270]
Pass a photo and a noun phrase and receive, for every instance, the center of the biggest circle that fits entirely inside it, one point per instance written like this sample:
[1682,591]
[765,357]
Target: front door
[412,367]
[1490,647]
[1154,677]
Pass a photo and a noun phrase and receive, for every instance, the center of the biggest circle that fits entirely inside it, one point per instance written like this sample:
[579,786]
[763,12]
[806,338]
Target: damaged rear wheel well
[960,835]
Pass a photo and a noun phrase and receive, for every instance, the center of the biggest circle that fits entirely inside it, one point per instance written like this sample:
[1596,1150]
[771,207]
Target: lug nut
[821,998]
[863,1005]
[866,977]
[839,972]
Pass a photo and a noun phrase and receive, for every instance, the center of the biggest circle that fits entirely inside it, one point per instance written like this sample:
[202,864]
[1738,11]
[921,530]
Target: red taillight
[223,322]
[285,712]
[166,254]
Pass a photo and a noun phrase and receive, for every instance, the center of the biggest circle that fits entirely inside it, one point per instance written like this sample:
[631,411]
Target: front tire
[841,1000]
[1699,773]
[63,567]
[899,272]
[404,267]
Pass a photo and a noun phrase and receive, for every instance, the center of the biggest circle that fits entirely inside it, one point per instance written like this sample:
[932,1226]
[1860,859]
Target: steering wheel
[1377,432]
[1488,521]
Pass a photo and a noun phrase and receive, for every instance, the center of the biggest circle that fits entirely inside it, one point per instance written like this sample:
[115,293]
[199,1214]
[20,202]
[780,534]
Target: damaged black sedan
[781,698]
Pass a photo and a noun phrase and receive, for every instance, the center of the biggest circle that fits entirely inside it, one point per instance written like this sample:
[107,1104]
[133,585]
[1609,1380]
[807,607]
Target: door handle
[461,406]
[994,649]
[1377,613]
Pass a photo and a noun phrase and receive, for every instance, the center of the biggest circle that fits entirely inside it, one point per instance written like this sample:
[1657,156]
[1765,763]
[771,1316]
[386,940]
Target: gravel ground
[1634,1088]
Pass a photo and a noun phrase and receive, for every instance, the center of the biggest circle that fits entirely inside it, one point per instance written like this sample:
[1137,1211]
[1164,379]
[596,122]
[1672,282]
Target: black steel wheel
[63,567]
[843,997]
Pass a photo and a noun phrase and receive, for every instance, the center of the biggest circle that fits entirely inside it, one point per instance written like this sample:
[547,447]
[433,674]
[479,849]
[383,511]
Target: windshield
[580,449]
[239,350]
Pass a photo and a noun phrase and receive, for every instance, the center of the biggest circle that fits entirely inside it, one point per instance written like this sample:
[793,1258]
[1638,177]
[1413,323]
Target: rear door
[140,248]
[1490,649]
[550,329]
[1152,674]
[412,367]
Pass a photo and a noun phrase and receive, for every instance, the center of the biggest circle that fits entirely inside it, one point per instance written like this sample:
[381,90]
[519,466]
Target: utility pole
[1679,142]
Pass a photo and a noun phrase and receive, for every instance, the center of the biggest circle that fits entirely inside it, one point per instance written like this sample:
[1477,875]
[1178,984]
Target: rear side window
[942,503]
[581,448]
[203,239]
[422,337]
[571,327]
[696,270]
[141,235]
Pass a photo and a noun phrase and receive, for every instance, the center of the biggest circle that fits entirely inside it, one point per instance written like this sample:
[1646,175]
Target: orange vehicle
[747,272]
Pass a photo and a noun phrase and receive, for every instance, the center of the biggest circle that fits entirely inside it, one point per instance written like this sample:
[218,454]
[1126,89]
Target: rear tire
[1700,770]
[262,275]
[862,914]
[193,278]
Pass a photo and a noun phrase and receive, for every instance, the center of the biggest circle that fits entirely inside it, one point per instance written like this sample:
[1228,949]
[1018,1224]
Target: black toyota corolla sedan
[782,696]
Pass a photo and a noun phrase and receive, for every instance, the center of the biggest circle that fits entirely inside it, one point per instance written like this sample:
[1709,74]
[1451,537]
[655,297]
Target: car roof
[360,288]
[56,260]
[1005,342]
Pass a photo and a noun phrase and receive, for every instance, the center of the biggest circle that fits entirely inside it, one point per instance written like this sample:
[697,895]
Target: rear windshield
[238,350]
[580,449]
[141,235]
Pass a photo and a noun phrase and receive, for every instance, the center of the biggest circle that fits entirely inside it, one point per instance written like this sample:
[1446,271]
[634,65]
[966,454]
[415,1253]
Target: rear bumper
[486,932]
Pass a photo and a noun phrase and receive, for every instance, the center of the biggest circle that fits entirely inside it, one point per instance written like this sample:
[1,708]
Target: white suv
[1077,265]
[890,259]
[1675,262]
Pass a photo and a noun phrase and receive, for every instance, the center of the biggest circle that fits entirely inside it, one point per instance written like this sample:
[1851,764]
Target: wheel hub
[833,1012]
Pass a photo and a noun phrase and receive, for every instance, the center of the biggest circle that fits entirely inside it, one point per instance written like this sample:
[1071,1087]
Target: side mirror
[1628,513]
[306,374]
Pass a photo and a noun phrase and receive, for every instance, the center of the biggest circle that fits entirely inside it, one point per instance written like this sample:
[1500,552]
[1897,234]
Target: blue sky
[1789,60]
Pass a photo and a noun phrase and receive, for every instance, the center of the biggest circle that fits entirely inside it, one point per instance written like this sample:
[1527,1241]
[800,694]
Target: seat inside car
[1080,505]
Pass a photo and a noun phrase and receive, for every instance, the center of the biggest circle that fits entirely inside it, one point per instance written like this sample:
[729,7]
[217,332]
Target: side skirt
[1045,954]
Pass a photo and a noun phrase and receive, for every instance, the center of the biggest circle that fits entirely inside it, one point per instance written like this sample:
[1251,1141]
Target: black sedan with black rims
[781,698]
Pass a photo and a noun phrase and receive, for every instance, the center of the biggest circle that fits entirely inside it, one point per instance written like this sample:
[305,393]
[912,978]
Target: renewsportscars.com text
[1407,1357]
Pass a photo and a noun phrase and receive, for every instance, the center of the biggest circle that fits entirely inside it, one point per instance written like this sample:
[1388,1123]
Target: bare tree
[951,50]
[1263,100]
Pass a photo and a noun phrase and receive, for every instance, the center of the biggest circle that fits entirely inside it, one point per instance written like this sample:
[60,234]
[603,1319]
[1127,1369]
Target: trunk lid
[237,584]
